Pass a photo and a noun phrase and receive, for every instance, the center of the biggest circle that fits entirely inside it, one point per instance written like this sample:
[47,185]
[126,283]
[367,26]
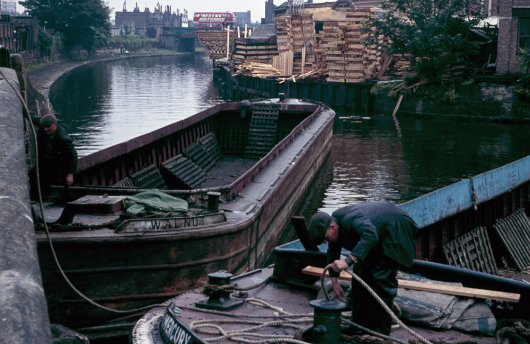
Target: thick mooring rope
[248,335]
[382,303]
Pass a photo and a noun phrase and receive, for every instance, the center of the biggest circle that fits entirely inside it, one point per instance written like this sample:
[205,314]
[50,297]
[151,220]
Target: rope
[381,302]
[248,335]
[231,288]
[251,316]
[46,230]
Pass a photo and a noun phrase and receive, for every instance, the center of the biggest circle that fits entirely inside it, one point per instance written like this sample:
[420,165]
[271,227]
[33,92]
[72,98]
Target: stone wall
[482,101]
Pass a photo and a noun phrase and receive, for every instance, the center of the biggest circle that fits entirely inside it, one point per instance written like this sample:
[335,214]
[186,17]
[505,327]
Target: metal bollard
[326,321]
[213,201]
[219,299]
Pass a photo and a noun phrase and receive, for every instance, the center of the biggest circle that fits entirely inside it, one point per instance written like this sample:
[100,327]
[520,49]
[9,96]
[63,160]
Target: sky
[257,7]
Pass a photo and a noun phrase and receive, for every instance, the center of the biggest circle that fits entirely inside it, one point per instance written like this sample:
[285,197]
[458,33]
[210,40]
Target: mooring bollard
[219,294]
[326,320]
[213,201]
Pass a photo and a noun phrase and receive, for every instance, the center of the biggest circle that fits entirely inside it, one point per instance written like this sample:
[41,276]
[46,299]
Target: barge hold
[237,170]
[484,217]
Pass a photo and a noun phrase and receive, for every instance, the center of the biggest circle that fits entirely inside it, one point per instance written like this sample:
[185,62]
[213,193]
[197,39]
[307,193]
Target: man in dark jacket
[57,155]
[380,236]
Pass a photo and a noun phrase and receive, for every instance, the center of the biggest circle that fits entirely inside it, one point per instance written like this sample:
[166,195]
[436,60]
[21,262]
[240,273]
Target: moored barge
[475,232]
[240,168]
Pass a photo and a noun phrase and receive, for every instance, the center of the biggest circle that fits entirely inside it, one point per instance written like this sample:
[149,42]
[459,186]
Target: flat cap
[318,225]
[48,120]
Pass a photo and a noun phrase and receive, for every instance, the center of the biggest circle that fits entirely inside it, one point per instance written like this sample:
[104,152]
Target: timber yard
[164,172]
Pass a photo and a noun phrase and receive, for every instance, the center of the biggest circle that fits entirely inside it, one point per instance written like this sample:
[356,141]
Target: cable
[46,230]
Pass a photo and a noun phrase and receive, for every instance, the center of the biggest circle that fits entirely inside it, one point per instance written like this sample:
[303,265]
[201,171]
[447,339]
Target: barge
[237,171]
[475,232]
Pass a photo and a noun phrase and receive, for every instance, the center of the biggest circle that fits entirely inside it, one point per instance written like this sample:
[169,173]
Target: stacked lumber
[284,62]
[315,74]
[256,69]
[247,50]
[296,34]
[399,68]
[346,57]
[215,41]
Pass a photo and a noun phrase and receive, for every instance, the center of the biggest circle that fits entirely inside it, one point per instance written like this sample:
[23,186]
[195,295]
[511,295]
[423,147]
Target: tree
[81,23]
[435,34]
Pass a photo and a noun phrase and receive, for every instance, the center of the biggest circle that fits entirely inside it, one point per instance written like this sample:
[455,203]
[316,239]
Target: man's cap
[47,120]
[318,225]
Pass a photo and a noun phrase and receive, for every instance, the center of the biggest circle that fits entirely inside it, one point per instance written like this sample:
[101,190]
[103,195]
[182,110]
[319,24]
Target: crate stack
[254,50]
[215,42]
[296,36]
[346,57]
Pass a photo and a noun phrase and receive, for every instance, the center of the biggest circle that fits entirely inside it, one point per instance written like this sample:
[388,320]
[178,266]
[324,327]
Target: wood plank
[434,288]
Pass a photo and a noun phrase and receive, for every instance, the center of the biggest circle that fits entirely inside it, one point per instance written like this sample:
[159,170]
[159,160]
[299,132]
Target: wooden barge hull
[131,270]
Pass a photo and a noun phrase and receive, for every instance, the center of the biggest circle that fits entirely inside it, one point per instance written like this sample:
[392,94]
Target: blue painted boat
[444,216]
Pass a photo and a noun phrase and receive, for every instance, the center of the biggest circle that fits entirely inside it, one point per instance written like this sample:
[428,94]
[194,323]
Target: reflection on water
[371,159]
[111,102]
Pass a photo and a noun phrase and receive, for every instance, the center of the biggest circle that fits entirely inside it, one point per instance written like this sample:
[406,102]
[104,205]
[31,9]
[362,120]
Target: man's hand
[339,292]
[339,265]
[69,179]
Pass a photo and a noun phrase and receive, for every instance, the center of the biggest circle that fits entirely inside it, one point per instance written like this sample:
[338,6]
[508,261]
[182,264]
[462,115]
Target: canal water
[372,158]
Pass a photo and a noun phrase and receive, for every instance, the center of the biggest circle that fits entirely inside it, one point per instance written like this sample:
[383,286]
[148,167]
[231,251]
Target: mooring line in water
[380,301]
[41,208]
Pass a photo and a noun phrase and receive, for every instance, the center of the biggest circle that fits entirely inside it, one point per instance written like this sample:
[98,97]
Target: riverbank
[43,76]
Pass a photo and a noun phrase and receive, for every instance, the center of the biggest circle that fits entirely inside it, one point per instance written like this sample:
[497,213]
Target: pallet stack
[254,50]
[215,42]
[296,35]
[342,47]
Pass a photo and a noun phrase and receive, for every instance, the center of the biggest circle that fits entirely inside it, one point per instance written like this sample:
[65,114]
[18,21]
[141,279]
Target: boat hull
[134,269]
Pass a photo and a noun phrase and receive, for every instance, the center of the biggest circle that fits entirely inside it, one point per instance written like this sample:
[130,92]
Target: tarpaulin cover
[153,202]
[442,311]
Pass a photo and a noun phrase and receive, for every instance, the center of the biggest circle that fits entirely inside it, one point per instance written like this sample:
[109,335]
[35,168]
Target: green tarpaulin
[154,201]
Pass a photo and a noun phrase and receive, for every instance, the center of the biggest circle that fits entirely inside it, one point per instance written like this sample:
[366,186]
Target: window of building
[524,33]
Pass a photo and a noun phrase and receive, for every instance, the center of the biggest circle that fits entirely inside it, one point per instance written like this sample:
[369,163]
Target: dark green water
[371,159]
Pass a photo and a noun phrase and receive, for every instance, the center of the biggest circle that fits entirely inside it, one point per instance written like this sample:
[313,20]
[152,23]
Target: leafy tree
[435,34]
[82,23]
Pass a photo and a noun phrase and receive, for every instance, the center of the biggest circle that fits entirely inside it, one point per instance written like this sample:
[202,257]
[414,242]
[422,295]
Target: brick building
[514,35]
[140,22]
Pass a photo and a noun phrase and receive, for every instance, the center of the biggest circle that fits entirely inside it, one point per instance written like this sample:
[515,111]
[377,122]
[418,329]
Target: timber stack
[215,42]
[256,50]
[329,44]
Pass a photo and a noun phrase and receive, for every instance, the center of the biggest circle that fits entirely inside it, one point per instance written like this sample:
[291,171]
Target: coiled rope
[381,302]
[248,335]
[46,230]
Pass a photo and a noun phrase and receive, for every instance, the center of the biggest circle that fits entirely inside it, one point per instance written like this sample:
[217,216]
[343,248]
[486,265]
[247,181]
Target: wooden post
[398,128]
[245,30]
[238,32]
[303,59]
[228,43]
